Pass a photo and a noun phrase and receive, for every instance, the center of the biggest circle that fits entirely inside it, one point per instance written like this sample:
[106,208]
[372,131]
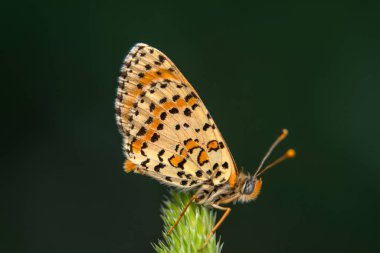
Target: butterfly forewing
[168,132]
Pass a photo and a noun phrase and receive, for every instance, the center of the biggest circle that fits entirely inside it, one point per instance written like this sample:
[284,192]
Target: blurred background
[310,67]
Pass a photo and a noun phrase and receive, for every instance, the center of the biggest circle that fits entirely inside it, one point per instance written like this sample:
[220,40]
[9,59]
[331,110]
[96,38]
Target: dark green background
[312,68]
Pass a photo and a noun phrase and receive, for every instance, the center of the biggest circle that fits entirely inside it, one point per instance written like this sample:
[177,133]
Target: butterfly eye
[248,186]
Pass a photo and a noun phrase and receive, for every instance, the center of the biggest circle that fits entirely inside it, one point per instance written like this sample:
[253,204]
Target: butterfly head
[250,189]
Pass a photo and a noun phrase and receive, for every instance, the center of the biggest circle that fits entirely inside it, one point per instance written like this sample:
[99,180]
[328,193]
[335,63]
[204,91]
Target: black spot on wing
[199,173]
[163,115]
[180,164]
[206,126]
[194,106]
[155,137]
[188,97]
[175,97]
[151,107]
[144,163]
[174,110]
[158,167]
[161,58]
[149,120]
[180,173]
[141,132]
[159,155]
[187,112]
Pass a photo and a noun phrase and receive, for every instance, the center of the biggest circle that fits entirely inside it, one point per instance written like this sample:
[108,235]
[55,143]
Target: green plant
[192,230]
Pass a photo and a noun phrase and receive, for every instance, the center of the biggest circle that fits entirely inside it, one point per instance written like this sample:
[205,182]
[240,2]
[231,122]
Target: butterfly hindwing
[168,132]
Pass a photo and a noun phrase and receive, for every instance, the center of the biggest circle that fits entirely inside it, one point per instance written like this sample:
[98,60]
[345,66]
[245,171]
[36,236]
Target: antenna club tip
[284,133]
[291,153]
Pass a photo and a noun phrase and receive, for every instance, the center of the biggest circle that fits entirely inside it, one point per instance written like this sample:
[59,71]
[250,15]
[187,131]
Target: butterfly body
[169,135]
[246,189]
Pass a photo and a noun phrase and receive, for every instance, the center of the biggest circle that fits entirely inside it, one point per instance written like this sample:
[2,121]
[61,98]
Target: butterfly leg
[182,213]
[227,211]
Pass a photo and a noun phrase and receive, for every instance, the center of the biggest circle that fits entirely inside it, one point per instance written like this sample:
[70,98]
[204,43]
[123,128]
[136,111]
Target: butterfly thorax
[247,188]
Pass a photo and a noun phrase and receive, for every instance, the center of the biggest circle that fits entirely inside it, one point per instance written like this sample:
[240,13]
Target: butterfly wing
[168,132]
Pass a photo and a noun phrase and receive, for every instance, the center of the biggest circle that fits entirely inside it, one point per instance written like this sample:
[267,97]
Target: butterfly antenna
[289,154]
[277,141]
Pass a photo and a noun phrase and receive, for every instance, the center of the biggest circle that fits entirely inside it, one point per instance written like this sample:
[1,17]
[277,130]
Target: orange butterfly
[170,136]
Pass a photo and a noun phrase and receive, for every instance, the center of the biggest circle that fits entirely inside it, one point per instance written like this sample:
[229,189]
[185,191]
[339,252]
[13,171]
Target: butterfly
[169,135]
